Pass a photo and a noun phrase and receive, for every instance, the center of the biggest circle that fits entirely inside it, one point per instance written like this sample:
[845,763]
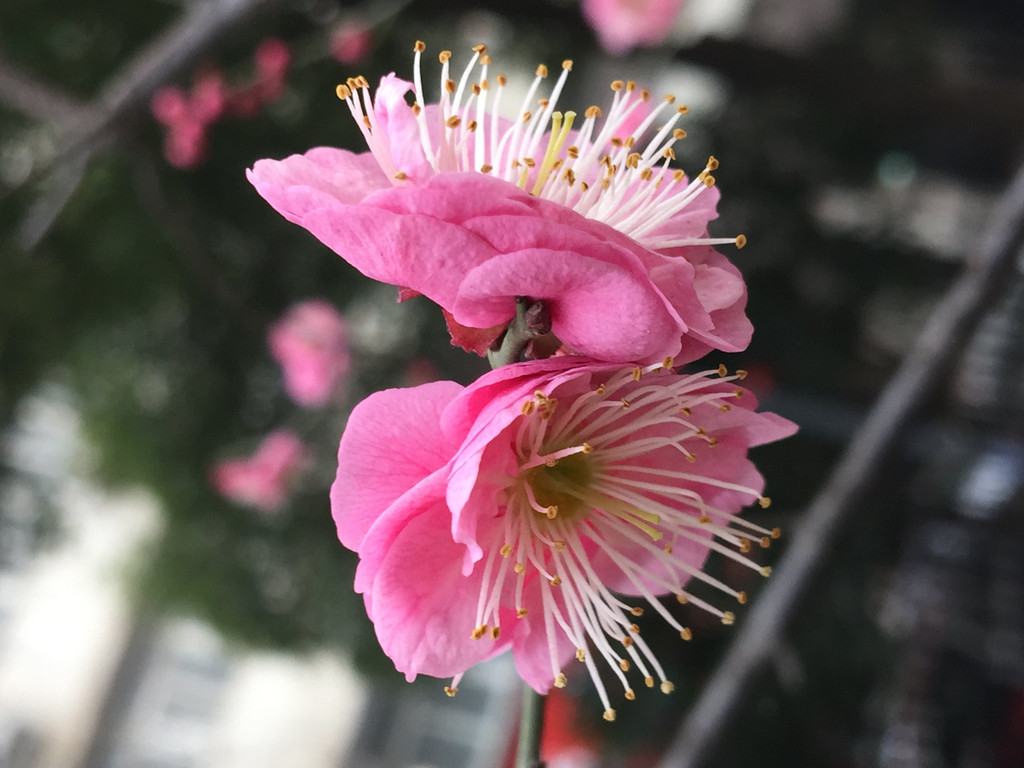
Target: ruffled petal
[369,478]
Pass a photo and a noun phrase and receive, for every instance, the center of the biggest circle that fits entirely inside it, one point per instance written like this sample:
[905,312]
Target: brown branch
[922,371]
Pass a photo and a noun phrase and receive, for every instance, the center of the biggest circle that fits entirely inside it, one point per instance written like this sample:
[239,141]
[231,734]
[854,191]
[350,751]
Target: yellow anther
[669,153]
[542,71]
[686,411]
[682,109]
[667,363]
[479,632]
[419,46]
[722,370]
[480,48]
[625,404]
[636,610]
[712,163]
[444,56]
[552,512]
[556,582]
[728,618]
[581,654]
[631,85]
[709,181]
[601,389]
[449,85]
[740,373]
[485,60]
[450,691]
[519,567]
[496,632]
[559,546]
[617,85]
[766,571]
[682,599]
[453,121]
[645,95]
[342,91]
[670,98]
[776,533]
[667,686]
[741,597]
[567,64]
[678,133]
[485,168]
[765,542]
[741,240]
[744,545]
[686,634]
[739,393]
[560,680]
[624,665]
[764,502]
[609,715]
[637,373]
[502,80]
[522,613]
[634,628]
[586,448]
[630,696]
[401,176]
[725,407]
[506,550]
[627,641]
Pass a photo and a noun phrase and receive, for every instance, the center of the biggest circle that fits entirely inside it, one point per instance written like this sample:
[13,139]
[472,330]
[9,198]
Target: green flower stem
[530,720]
[531,323]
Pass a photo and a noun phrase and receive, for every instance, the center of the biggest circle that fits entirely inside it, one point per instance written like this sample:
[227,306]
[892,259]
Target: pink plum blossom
[351,41]
[311,344]
[520,512]
[622,25]
[472,210]
[262,481]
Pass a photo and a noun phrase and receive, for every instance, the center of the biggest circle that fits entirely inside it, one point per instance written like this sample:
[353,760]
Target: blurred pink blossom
[351,41]
[622,25]
[262,481]
[311,344]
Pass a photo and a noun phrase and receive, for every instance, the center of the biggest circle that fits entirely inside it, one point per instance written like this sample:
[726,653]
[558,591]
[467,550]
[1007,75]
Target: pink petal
[423,608]
[369,477]
[323,177]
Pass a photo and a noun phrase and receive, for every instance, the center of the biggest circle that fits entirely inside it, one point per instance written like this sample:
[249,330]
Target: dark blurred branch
[129,91]
[923,370]
[913,102]
[26,94]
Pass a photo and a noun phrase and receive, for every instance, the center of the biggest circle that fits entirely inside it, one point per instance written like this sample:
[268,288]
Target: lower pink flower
[262,481]
[511,514]
[311,344]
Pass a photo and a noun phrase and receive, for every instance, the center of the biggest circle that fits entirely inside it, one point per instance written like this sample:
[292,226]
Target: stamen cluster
[600,171]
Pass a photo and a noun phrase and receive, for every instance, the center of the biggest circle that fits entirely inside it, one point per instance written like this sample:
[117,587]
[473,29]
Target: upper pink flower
[311,344]
[622,25]
[262,481]
[473,210]
[509,514]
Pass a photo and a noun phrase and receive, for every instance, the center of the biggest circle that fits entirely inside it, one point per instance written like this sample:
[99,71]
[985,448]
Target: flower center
[561,489]
[615,493]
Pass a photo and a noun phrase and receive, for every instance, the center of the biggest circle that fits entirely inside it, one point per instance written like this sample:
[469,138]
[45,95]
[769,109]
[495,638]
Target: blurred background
[172,593]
